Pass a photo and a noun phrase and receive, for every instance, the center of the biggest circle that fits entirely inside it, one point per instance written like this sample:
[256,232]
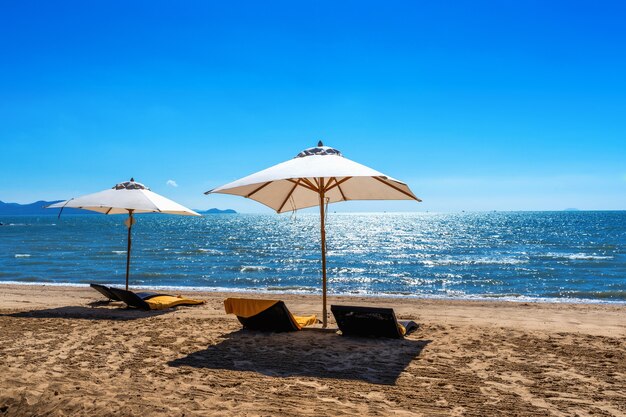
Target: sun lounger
[104,290]
[108,293]
[370,321]
[266,315]
[152,301]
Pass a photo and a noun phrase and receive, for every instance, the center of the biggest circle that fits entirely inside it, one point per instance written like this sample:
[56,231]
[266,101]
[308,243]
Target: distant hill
[36,209]
[217,211]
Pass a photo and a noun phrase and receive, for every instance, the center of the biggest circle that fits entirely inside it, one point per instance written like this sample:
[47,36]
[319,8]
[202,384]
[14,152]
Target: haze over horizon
[520,107]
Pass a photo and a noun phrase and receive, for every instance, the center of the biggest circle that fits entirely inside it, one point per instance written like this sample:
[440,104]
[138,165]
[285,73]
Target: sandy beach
[65,352]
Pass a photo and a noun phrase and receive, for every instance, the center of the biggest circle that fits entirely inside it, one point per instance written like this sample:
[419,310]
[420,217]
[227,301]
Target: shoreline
[593,318]
[280,291]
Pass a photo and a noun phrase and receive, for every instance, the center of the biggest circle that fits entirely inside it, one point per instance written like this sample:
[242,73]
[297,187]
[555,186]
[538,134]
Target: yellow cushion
[161,302]
[303,321]
[402,329]
[246,307]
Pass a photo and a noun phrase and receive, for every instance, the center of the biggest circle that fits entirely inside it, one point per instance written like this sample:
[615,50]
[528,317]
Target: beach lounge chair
[266,315]
[370,321]
[108,293]
[104,290]
[152,301]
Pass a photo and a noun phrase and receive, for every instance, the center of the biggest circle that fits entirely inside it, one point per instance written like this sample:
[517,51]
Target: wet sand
[65,352]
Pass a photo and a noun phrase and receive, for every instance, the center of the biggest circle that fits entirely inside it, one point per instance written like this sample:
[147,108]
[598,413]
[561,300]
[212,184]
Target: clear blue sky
[476,105]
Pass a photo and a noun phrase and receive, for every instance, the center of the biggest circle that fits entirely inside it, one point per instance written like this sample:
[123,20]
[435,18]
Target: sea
[568,256]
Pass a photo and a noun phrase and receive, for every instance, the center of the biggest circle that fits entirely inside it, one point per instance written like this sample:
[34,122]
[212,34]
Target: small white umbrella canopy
[315,177]
[130,198]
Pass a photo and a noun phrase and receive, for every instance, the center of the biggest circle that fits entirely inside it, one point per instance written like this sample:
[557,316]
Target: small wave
[582,256]
[119,252]
[478,261]
[346,270]
[211,251]
[144,274]
[590,295]
[252,268]
[378,262]
[22,255]
[576,256]
[294,289]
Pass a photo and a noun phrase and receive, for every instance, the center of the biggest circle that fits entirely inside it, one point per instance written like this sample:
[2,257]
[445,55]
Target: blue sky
[476,105]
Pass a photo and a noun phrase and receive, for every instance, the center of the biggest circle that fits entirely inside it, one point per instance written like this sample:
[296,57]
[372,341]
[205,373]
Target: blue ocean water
[511,255]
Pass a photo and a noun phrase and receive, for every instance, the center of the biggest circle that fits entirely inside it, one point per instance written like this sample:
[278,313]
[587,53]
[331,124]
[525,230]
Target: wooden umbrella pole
[130,226]
[323,235]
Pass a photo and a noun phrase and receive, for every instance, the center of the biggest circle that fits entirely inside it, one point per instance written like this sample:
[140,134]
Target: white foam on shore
[43,284]
[315,291]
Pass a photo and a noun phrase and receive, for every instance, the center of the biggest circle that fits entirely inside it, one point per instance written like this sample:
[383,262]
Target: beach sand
[62,352]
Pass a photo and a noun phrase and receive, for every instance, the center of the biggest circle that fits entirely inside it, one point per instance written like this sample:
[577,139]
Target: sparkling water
[556,256]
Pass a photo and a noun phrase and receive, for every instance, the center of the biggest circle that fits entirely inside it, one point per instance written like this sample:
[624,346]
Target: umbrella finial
[130,185]
[319,150]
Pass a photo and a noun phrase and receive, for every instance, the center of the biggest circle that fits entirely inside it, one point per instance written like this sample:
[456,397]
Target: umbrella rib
[302,184]
[288,195]
[341,191]
[396,188]
[328,186]
[314,187]
[342,194]
[337,183]
[258,189]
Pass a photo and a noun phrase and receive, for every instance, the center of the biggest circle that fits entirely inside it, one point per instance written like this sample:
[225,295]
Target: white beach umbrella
[130,198]
[315,177]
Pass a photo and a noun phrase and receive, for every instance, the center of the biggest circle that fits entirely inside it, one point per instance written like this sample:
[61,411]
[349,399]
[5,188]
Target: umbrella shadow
[312,354]
[87,313]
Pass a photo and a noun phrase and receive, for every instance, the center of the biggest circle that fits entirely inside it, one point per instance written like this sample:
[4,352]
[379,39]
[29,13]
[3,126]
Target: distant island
[217,211]
[37,209]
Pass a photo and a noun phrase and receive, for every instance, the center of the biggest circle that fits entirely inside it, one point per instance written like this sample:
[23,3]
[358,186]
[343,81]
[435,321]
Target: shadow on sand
[309,353]
[88,313]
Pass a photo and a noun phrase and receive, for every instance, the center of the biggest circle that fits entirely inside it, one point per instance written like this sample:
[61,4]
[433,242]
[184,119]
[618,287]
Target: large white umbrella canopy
[315,177]
[130,198]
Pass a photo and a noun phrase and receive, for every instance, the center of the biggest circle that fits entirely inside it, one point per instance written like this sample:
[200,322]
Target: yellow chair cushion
[303,321]
[161,302]
[246,307]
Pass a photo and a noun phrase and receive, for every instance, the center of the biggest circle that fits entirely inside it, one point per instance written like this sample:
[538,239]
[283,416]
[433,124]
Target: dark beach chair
[104,290]
[266,315]
[371,321]
[152,301]
[108,292]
